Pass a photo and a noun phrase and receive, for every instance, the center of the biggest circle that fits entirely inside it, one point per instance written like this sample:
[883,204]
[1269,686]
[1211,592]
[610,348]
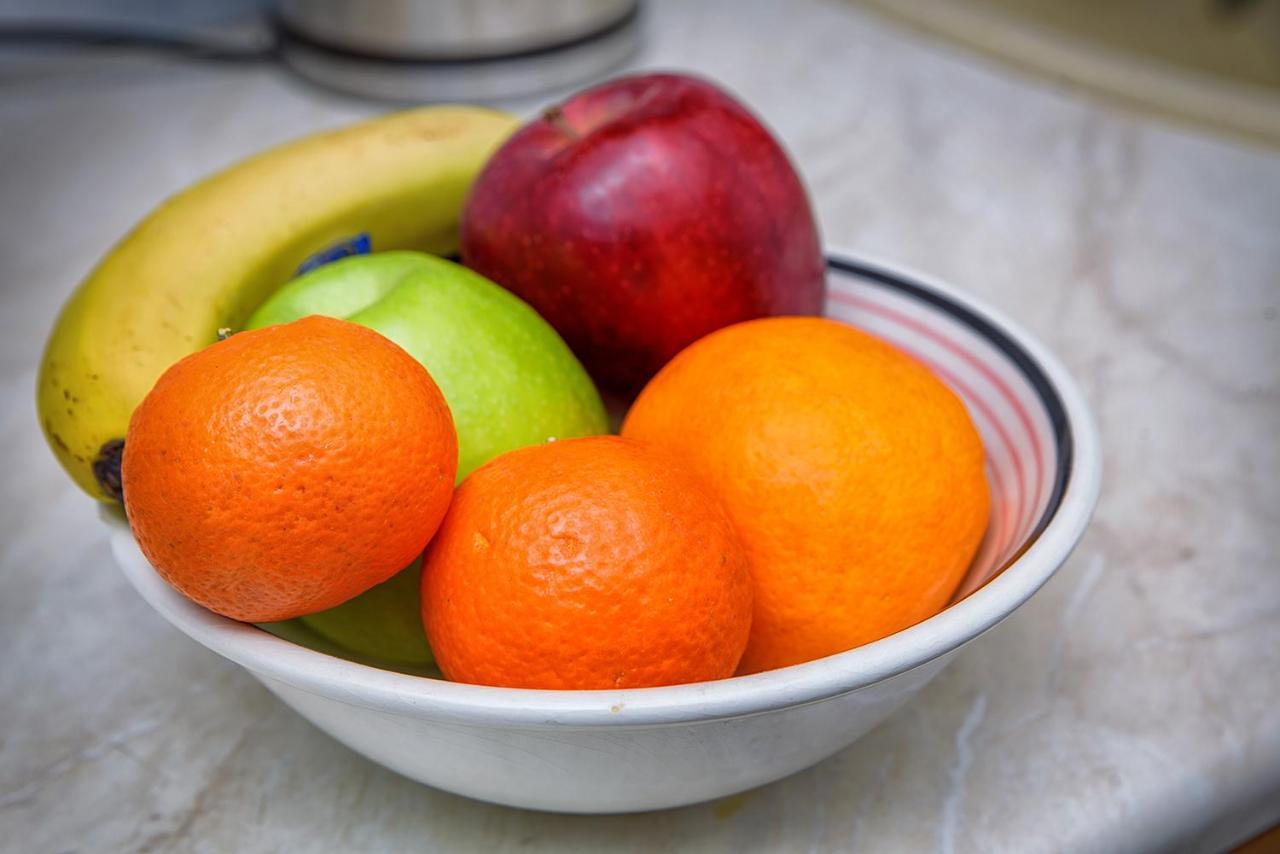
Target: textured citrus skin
[587,563]
[854,477]
[285,470]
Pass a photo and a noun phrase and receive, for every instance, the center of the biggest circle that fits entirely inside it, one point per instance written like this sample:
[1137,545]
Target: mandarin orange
[853,475]
[285,470]
[585,563]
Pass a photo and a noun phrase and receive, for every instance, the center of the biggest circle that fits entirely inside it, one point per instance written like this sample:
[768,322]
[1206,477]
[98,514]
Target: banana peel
[204,259]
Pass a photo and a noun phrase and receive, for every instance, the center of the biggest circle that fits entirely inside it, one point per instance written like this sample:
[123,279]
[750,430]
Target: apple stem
[555,117]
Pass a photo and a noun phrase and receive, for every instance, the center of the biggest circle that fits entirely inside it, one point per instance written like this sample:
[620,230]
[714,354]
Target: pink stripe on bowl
[1009,408]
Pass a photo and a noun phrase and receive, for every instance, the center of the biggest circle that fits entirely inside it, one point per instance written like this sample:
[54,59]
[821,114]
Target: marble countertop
[1133,704]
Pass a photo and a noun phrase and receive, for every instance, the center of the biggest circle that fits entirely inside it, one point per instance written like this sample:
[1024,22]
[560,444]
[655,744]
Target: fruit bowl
[652,748]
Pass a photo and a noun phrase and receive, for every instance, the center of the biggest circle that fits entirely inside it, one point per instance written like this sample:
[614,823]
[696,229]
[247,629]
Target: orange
[285,470]
[585,563]
[854,477]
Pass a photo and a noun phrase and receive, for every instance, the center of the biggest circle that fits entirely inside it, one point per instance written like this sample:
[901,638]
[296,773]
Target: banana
[204,259]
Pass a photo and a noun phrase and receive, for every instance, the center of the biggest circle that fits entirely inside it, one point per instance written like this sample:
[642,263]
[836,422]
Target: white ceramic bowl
[642,749]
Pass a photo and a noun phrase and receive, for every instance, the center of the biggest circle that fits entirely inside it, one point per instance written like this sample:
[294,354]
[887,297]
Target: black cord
[41,34]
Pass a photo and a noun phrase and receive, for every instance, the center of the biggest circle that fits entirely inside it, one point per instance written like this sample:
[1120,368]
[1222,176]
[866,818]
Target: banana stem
[106,469]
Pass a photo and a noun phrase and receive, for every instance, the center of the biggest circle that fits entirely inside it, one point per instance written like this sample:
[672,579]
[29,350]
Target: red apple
[640,215]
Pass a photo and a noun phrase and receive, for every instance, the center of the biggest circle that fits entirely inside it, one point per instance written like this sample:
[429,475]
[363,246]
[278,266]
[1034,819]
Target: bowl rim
[1047,547]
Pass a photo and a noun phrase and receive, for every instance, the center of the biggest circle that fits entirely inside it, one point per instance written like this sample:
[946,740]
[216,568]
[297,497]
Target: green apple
[382,627]
[509,379]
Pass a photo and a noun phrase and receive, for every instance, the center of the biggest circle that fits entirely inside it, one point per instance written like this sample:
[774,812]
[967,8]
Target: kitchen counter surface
[1133,704]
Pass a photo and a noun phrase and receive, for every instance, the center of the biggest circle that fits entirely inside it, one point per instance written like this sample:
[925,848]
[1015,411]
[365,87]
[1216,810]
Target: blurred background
[1106,173]
[1212,62]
